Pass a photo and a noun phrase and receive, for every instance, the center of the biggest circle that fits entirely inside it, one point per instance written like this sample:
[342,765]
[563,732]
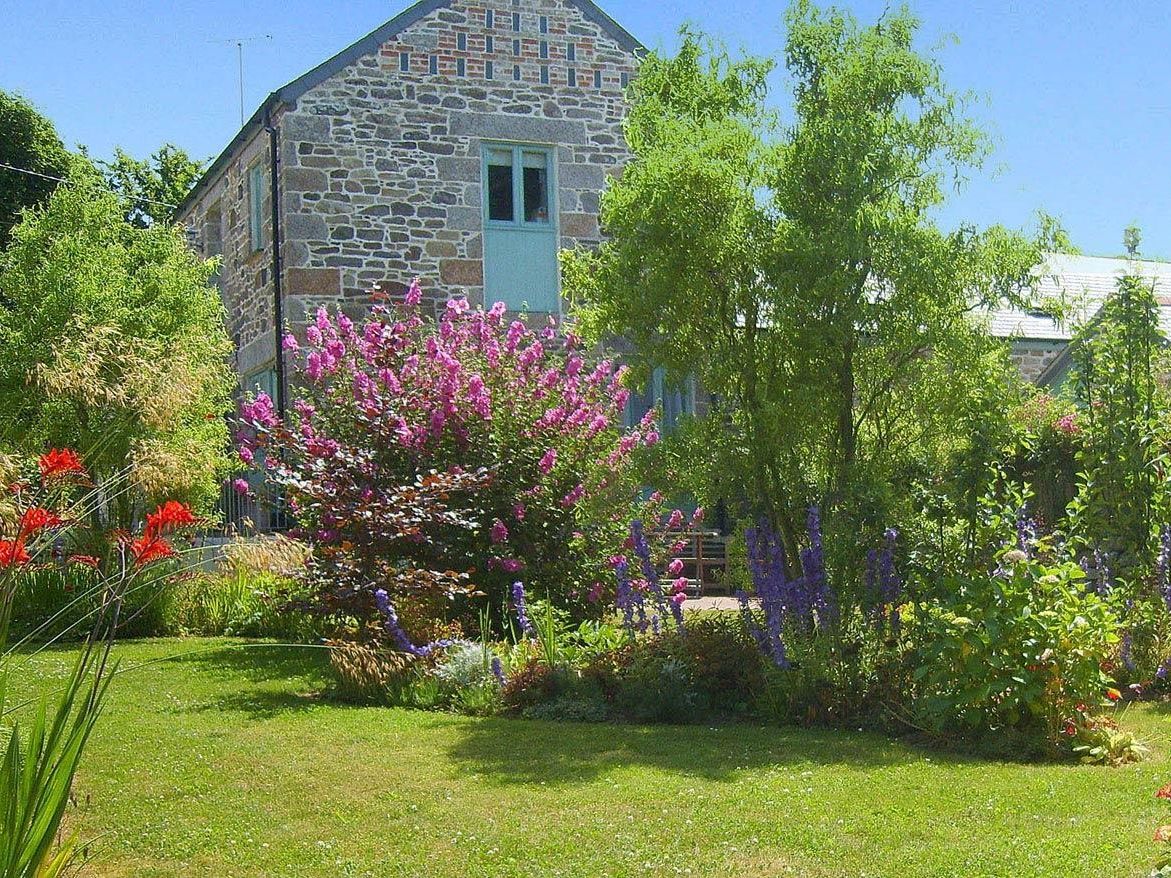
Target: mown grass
[220,757]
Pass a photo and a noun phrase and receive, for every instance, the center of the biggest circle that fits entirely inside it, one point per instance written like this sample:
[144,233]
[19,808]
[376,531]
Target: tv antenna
[239,43]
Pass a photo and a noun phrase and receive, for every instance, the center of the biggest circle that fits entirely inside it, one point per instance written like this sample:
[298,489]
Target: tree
[114,344]
[152,187]
[1118,357]
[30,142]
[797,270]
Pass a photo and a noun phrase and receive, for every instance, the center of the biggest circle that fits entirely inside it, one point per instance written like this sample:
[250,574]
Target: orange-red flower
[149,547]
[1164,792]
[12,552]
[36,519]
[168,517]
[1113,694]
[1163,833]
[60,462]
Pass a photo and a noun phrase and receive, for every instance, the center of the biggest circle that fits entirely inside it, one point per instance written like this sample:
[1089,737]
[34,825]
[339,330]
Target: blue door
[520,229]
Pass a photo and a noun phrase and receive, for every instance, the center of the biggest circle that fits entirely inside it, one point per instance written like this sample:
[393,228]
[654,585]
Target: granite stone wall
[1032,357]
[381,167]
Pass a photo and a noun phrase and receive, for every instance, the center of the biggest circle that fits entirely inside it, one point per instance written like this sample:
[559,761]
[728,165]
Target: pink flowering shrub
[523,425]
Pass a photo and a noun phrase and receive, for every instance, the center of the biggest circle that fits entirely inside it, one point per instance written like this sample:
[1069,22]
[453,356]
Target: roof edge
[369,44]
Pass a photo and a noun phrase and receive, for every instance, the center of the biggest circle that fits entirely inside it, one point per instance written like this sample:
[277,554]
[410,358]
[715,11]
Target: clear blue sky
[1077,93]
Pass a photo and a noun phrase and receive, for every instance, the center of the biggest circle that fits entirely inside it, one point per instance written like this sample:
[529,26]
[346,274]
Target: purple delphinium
[391,623]
[522,614]
[1163,566]
[1125,651]
[820,598]
[497,667]
[779,596]
[1026,532]
[1164,669]
[883,583]
[642,550]
[629,599]
[1100,575]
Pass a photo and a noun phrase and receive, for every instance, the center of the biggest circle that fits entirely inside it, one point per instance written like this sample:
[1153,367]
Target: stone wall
[219,219]
[381,177]
[1032,357]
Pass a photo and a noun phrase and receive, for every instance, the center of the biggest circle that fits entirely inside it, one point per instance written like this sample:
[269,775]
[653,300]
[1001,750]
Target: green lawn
[217,758]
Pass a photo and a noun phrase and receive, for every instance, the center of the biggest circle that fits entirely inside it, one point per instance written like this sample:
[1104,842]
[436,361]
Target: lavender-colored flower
[1125,651]
[497,667]
[1164,669]
[391,623]
[1026,531]
[1163,565]
[642,550]
[522,615]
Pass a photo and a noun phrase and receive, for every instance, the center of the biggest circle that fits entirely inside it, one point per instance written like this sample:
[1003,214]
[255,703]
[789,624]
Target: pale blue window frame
[256,206]
[674,403]
[545,228]
[518,221]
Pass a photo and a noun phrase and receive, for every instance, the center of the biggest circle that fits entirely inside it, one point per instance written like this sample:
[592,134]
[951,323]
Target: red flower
[60,462]
[1113,694]
[168,517]
[1070,729]
[148,548]
[12,552]
[36,519]
[1164,792]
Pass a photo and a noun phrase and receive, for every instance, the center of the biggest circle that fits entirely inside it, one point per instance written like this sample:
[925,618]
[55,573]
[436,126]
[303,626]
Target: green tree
[30,142]
[114,344]
[1118,357]
[152,187]
[797,269]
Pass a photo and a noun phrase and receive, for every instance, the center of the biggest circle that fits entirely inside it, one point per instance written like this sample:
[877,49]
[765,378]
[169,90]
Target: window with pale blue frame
[256,206]
[520,235]
[674,402]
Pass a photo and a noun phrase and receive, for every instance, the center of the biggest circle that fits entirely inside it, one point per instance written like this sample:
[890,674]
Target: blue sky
[1076,93]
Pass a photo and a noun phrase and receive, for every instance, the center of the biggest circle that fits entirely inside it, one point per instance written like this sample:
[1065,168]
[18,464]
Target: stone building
[462,142]
[1039,342]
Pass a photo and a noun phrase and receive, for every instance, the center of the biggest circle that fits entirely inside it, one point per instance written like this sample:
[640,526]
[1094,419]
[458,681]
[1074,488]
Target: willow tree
[797,269]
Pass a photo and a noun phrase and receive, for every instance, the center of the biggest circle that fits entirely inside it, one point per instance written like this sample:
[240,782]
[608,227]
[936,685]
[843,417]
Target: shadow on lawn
[259,661]
[514,751]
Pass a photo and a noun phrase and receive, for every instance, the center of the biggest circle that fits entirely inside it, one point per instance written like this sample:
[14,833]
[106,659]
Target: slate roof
[1083,283]
[367,45]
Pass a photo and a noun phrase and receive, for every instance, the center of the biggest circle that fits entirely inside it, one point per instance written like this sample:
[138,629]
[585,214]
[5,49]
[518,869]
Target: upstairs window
[256,206]
[518,177]
[404,62]
[489,18]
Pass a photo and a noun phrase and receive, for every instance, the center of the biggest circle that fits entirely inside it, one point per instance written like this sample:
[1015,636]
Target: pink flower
[241,486]
[246,455]
[289,342]
[675,568]
[697,516]
[1068,425]
[414,294]
[259,411]
[678,598]
[512,565]
[679,585]
[518,512]
[499,531]
[651,438]
[573,496]
[547,461]
[313,335]
[656,497]
[676,519]
[615,560]
[573,367]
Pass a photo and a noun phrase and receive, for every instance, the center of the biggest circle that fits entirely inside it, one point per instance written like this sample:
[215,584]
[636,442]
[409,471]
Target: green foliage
[30,142]
[1019,650]
[115,345]
[153,187]
[1118,361]
[797,270]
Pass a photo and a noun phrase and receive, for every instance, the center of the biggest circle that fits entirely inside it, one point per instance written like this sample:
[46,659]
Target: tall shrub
[505,440]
